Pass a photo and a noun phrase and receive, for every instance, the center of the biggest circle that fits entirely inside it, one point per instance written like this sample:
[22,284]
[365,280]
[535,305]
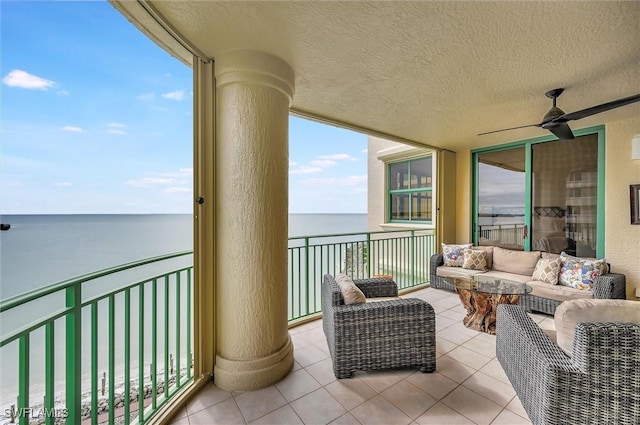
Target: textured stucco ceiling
[431,72]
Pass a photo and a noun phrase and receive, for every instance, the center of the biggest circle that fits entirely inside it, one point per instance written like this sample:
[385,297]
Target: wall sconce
[635,147]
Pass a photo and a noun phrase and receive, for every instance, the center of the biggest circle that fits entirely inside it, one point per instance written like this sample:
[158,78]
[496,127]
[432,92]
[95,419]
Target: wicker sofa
[394,333]
[590,376]
[544,297]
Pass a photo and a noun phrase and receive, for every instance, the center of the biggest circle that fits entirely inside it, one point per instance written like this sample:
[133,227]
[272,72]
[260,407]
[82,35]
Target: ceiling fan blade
[560,129]
[598,109]
[507,129]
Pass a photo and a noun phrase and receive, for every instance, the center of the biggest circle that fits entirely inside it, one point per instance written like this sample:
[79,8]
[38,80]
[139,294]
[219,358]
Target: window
[542,194]
[410,190]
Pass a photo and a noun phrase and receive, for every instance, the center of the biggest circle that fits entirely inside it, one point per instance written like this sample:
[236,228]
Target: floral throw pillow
[454,254]
[474,260]
[580,273]
[547,270]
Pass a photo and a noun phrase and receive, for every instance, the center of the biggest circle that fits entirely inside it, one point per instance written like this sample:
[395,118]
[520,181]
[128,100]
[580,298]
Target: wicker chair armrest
[520,340]
[377,287]
[610,286]
[617,342]
[382,315]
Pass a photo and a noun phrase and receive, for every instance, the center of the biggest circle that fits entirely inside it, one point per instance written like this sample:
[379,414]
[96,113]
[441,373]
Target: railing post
[368,254]
[413,258]
[73,353]
[306,271]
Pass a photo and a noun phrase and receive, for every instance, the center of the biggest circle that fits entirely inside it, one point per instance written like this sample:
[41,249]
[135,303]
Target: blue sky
[95,118]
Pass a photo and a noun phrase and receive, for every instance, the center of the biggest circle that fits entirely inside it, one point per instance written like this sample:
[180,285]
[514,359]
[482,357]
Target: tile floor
[468,387]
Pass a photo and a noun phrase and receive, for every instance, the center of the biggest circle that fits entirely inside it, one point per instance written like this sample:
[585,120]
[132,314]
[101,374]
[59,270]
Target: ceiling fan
[556,120]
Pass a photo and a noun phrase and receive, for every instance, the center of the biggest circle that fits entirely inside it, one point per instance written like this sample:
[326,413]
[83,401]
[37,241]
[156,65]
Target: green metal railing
[85,351]
[402,254]
[89,328]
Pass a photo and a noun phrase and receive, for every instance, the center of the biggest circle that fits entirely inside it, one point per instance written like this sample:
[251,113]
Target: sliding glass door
[542,194]
[501,198]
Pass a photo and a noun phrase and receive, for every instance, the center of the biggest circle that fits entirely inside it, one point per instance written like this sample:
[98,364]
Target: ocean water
[40,250]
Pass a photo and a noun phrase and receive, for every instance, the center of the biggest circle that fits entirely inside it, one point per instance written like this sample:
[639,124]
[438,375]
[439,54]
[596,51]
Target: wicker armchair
[377,335]
[599,384]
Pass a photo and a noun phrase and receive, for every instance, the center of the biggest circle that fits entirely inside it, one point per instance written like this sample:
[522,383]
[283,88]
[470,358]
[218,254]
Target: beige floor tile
[443,322]
[181,421]
[453,369]
[296,384]
[454,334]
[480,410]
[254,404]
[350,392]
[494,369]
[483,343]
[309,355]
[379,380]
[509,418]
[456,314]
[442,414]
[301,340]
[491,388]
[346,419]
[516,407]
[282,416]
[468,357]
[225,412]
[322,371]
[409,398]
[208,396]
[379,411]
[443,346]
[319,407]
[434,384]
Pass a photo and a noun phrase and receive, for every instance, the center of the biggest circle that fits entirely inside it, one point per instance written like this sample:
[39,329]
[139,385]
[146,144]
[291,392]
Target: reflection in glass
[501,198]
[399,176]
[400,207]
[564,196]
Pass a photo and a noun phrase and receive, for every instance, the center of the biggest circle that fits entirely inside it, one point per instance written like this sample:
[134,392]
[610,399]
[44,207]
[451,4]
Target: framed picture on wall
[634,199]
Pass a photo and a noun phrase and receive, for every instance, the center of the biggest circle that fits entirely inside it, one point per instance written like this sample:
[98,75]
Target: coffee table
[480,296]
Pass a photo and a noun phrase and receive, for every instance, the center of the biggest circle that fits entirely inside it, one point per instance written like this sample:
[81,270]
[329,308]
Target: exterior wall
[622,240]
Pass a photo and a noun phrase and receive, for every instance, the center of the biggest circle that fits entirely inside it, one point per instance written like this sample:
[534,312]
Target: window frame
[410,191]
[599,131]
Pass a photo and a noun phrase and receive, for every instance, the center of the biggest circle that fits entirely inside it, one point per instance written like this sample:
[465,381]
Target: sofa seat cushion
[570,313]
[518,262]
[557,292]
[445,271]
[509,276]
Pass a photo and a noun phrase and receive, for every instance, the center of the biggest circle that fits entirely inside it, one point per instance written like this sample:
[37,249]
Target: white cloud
[146,97]
[72,129]
[365,150]
[180,178]
[174,95]
[292,163]
[63,93]
[116,128]
[24,80]
[323,163]
[306,170]
[149,181]
[339,157]
[62,184]
[178,190]
[336,181]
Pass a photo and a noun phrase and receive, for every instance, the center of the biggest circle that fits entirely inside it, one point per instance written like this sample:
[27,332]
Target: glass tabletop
[489,284]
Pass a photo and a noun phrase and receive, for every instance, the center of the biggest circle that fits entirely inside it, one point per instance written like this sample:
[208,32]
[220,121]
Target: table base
[482,307]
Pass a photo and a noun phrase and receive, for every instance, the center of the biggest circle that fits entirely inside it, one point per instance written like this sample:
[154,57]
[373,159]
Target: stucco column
[254,91]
